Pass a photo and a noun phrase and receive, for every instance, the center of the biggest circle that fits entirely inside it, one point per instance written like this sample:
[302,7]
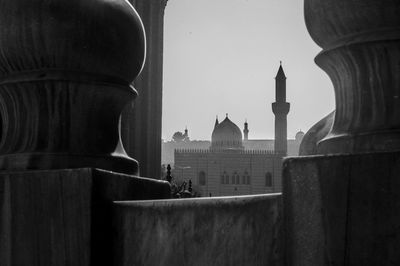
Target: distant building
[231,165]
[168,147]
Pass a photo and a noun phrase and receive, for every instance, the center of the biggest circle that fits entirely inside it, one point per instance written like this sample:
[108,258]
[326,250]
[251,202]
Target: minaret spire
[280,108]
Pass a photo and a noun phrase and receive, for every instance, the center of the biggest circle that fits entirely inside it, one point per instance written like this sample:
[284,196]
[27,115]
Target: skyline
[224,60]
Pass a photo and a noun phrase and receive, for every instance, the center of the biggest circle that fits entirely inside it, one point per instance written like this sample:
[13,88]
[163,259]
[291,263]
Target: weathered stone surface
[205,231]
[63,217]
[342,210]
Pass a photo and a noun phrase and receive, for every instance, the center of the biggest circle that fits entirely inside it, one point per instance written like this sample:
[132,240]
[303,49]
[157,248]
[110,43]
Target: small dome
[178,136]
[299,135]
[226,135]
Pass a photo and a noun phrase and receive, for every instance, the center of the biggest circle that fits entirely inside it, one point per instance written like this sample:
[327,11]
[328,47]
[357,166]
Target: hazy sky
[221,56]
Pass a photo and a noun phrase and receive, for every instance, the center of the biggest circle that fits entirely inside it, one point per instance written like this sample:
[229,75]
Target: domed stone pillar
[66,69]
[65,78]
[339,205]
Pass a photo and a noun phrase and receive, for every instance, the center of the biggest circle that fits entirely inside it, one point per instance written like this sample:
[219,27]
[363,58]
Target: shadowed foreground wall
[63,217]
[342,210]
[208,231]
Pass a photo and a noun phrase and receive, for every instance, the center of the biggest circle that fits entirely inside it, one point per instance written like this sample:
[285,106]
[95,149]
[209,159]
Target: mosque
[233,165]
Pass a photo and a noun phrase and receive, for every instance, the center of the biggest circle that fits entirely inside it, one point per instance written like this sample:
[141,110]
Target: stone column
[141,121]
[360,55]
[341,205]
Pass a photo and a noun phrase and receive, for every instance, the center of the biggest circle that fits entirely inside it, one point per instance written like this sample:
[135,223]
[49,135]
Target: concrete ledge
[342,209]
[204,231]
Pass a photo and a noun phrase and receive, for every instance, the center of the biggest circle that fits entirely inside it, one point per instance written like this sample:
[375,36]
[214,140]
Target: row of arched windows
[235,179]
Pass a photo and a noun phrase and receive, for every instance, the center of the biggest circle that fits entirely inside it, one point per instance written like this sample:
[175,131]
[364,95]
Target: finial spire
[226,115]
[281,73]
[246,130]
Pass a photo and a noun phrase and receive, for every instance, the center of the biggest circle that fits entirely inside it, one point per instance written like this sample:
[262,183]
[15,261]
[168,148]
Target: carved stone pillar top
[65,74]
[361,54]
[338,22]
[92,36]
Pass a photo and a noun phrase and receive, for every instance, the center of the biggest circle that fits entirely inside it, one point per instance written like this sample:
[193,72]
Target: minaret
[246,130]
[280,108]
[186,135]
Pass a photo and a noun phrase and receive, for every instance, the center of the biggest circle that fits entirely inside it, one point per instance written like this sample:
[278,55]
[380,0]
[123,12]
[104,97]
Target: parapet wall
[204,231]
[213,151]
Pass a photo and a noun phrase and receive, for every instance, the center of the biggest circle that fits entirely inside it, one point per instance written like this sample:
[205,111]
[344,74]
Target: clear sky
[221,56]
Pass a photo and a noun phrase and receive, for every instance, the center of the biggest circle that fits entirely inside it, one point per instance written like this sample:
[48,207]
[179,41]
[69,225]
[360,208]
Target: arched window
[235,178]
[202,178]
[246,178]
[268,179]
[224,178]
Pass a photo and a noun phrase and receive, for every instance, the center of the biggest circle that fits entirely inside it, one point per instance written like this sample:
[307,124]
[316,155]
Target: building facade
[168,147]
[231,165]
[227,168]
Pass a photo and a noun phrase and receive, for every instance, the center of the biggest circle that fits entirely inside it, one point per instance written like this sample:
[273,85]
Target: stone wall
[218,231]
[63,217]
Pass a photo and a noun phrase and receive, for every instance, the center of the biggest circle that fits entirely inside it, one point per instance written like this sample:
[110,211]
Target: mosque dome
[226,135]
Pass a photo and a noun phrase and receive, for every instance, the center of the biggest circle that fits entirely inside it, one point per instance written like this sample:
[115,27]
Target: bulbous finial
[361,51]
[97,41]
[66,69]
